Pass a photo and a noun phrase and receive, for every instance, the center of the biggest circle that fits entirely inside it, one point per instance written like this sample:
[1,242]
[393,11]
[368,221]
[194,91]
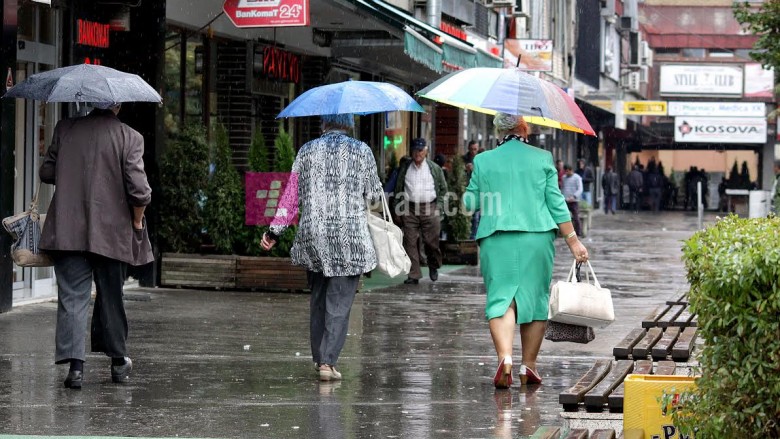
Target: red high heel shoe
[503,378]
[529,376]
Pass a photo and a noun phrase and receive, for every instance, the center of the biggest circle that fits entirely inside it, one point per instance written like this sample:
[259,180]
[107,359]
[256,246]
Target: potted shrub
[184,182]
[261,269]
[457,248]
[733,268]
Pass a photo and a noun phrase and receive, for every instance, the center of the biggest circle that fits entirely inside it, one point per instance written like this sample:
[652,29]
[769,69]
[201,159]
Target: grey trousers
[75,271]
[331,302]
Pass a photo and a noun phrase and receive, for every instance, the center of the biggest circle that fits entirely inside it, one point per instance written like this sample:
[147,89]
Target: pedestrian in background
[520,218]
[654,186]
[572,192]
[561,172]
[610,184]
[94,227]
[775,193]
[419,201]
[332,178]
[472,151]
[636,184]
[586,174]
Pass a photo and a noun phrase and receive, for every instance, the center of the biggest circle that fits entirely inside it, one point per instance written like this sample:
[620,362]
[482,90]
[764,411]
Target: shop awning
[422,50]
[456,54]
[486,59]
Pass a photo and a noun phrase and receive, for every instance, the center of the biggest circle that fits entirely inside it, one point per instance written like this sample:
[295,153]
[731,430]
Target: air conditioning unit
[631,81]
[521,9]
[645,54]
[502,3]
[644,73]
[628,23]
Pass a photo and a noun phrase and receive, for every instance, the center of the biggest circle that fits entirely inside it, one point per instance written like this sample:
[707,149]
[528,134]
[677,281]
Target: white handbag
[388,243]
[581,303]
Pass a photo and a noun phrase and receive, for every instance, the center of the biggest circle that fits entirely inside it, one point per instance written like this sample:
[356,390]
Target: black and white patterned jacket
[332,178]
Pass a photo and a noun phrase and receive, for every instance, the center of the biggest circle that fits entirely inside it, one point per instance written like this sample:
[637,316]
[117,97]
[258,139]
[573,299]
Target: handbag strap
[385,208]
[587,275]
[572,277]
[34,202]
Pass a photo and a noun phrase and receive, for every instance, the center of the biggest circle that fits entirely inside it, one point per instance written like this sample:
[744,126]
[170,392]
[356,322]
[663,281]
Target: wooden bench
[575,433]
[602,387]
[674,342]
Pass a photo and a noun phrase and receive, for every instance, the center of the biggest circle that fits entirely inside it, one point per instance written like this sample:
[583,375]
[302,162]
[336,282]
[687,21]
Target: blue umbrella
[351,97]
[85,83]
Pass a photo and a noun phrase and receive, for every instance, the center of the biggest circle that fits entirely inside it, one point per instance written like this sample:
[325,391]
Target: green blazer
[515,186]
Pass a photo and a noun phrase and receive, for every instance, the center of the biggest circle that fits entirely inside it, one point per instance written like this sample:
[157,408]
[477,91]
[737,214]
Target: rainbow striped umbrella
[492,90]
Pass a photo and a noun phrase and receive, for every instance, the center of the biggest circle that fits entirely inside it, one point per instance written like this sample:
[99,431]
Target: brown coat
[96,162]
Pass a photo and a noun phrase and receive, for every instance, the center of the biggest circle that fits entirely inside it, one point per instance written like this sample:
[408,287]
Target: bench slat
[603,434]
[623,349]
[681,351]
[577,433]
[573,396]
[651,320]
[683,319]
[642,349]
[615,399]
[670,316]
[677,299]
[596,397]
[665,368]
[663,348]
[546,433]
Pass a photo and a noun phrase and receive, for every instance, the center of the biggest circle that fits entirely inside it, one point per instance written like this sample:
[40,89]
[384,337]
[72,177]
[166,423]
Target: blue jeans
[588,196]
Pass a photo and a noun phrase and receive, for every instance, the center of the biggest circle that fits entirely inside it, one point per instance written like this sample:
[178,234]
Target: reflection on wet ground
[418,361]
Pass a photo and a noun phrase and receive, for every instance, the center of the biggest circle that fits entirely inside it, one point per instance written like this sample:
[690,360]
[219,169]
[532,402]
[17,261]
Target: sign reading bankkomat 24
[267,13]
[647,108]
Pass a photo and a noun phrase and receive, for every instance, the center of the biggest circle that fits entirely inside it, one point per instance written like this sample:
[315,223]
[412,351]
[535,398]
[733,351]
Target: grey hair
[105,105]
[509,123]
[344,121]
[505,122]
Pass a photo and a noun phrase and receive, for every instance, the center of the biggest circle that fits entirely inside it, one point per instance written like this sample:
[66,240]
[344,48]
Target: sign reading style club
[267,13]
[691,80]
[719,130]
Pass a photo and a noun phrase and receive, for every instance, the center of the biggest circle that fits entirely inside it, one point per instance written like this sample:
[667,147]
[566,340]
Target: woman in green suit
[516,188]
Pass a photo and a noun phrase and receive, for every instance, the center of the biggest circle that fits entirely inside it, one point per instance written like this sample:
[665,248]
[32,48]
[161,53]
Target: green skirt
[517,266]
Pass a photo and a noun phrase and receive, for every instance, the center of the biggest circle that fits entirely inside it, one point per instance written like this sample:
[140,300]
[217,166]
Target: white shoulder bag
[388,243]
[581,303]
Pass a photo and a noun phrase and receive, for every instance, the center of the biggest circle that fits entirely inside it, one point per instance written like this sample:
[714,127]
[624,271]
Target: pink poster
[264,192]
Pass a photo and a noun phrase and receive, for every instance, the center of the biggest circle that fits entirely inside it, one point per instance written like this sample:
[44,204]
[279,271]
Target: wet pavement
[418,361]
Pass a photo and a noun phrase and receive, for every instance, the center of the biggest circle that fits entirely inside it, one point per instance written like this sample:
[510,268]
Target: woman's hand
[267,243]
[578,250]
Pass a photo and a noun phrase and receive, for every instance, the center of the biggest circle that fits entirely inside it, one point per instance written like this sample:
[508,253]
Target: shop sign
[92,34]
[730,109]
[678,79]
[719,130]
[645,108]
[535,55]
[759,82]
[267,13]
[281,65]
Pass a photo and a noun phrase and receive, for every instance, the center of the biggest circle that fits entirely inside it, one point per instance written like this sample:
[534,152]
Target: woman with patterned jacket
[332,178]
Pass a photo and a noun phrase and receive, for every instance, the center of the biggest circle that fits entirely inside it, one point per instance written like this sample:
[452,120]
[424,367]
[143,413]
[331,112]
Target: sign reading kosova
[267,13]
[719,130]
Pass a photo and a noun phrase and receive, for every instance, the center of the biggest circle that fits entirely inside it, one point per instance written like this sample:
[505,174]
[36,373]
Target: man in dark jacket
[95,226]
[636,184]
[420,193]
[586,174]
[610,184]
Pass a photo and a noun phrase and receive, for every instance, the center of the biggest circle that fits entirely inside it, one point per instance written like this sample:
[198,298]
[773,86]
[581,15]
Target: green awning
[421,50]
[485,59]
[458,58]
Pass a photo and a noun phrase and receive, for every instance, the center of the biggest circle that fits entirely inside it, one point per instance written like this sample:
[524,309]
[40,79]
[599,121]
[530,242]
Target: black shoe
[410,281]
[74,379]
[434,274]
[121,374]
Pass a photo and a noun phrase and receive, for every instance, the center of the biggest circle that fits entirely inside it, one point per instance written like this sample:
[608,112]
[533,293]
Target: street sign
[645,108]
[267,13]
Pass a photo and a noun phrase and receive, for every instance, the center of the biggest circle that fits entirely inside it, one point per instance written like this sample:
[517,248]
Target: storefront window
[183,95]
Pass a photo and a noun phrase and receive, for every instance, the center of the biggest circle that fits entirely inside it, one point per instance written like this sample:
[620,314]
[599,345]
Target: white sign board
[719,130]
[731,109]
[693,79]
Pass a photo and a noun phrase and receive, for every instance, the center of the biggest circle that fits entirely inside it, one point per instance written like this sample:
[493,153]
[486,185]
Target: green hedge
[734,271]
